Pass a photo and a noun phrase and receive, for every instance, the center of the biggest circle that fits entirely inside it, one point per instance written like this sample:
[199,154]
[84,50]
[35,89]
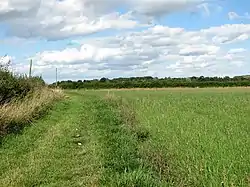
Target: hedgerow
[14,86]
[150,82]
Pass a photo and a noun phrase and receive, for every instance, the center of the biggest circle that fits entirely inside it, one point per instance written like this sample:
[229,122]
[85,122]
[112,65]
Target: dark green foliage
[150,82]
[13,86]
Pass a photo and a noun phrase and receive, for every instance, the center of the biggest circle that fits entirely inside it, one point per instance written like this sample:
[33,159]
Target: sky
[91,39]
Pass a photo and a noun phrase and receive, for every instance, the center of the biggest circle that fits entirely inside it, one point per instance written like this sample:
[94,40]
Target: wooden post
[30,68]
[56,78]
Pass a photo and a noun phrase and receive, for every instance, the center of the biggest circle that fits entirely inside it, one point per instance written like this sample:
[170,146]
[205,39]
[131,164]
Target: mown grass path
[81,142]
[58,150]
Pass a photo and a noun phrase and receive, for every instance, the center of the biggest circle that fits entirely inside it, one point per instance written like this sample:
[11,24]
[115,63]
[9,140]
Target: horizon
[145,77]
[91,39]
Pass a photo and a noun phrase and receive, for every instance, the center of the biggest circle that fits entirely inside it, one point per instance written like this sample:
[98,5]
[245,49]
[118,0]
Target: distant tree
[227,78]
[148,82]
[193,78]
[201,78]
[103,79]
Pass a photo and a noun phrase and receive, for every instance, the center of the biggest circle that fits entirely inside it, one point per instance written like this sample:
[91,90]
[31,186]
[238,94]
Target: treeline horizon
[155,82]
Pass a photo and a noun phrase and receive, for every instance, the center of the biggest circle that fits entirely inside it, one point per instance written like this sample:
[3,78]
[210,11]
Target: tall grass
[197,138]
[15,114]
[22,99]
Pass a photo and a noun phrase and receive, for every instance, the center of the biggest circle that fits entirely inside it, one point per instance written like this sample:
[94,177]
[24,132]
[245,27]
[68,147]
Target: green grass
[82,142]
[48,154]
[200,136]
[173,137]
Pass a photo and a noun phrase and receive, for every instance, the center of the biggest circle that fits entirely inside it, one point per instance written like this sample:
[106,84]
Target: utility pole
[30,68]
[56,78]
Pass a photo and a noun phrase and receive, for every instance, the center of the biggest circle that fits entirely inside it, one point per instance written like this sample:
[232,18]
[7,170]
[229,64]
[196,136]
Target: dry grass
[21,112]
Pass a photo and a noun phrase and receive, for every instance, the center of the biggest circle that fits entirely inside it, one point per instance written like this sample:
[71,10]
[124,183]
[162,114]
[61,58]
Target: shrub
[13,85]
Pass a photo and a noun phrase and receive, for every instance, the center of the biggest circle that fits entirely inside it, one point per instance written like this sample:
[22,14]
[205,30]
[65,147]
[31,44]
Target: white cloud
[234,15]
[157,51]
[72,55]
[228,33]
[198,49]
[56,19]
[11,9]
[5,60]
[236,50]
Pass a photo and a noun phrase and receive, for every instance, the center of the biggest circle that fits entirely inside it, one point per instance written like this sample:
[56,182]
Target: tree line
[154,82]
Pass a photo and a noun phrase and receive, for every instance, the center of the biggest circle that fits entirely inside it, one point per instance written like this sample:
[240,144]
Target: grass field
[167,137]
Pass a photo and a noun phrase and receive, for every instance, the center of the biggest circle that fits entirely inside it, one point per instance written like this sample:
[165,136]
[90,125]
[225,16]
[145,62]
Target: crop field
[165,137]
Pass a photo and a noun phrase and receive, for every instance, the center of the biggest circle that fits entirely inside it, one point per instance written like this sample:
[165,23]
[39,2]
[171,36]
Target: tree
[103,79]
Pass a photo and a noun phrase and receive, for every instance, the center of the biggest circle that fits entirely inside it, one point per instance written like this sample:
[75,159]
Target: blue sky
[91,39]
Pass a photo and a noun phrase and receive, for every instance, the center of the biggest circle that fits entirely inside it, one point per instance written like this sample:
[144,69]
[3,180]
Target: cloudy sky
[88,39]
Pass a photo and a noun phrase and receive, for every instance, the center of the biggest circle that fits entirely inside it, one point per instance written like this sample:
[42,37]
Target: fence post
[30,68]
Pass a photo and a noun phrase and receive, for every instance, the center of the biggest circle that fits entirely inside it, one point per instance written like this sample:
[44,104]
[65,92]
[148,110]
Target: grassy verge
[20,112]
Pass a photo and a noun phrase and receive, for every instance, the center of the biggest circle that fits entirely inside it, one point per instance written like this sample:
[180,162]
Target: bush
[16,86]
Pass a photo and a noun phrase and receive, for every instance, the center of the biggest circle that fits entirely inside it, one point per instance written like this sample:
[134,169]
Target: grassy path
[59,150]
[82,142]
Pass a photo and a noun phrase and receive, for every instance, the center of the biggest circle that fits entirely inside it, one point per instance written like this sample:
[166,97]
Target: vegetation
[60,149]
[150,82]
[17,113]
[16,86]
[22,99]
[197,138]
[173,137]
